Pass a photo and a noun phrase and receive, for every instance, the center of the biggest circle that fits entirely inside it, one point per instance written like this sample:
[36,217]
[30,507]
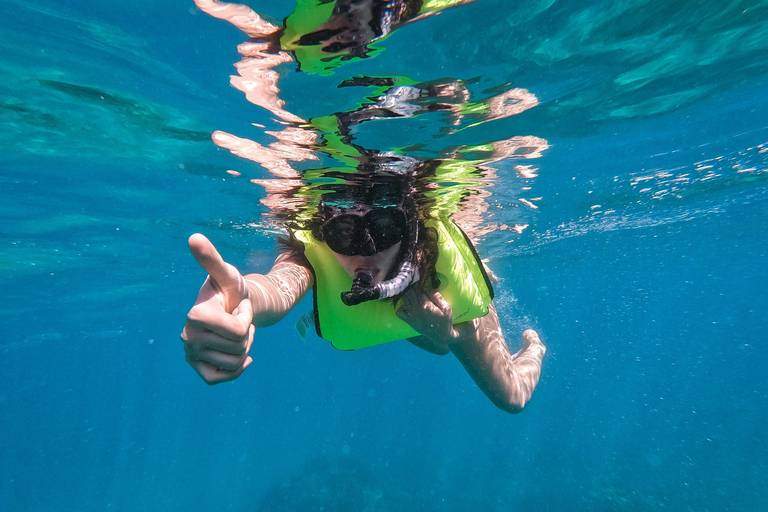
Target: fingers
[438,299]
[414,301]
[530,337]
[433,303]
[216,359]
[244,311]
[242,316]
[212,374]
[238,15]
[232,327]
[211,340]
[430,315]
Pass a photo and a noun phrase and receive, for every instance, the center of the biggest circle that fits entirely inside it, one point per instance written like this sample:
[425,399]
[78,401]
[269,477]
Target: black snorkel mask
[363,230]
[366,230]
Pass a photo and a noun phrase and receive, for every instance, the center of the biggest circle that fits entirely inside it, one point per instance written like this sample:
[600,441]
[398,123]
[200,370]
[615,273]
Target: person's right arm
[220,326]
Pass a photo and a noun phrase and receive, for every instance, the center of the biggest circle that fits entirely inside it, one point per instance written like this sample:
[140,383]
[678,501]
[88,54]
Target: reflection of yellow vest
[463,283]
[310,15]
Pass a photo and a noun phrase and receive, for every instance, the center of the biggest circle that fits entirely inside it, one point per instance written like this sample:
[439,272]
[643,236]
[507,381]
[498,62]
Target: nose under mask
[367,245]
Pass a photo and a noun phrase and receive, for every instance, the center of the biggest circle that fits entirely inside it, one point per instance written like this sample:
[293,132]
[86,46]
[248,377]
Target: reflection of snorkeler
[366,245]
[322,34]
[402,97]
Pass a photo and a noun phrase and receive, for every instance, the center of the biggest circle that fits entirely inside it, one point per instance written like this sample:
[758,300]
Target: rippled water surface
[609,158]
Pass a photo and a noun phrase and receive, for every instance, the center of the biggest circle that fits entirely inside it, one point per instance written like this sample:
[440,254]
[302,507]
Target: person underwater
[381,269]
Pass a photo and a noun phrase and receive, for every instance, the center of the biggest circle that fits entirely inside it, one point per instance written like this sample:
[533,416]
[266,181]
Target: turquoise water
[642,267]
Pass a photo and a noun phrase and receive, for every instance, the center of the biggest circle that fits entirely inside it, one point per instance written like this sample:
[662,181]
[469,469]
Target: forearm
[507,379]
[273,295]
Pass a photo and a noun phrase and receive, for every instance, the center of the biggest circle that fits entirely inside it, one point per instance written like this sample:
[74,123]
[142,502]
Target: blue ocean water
[642,266]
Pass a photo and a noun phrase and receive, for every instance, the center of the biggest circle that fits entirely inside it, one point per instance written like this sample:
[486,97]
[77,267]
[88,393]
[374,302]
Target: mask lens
[342,233]
[346,234]
[386,227]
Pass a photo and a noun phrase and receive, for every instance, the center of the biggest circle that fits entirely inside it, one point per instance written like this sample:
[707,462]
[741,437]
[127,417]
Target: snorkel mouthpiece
[364,290]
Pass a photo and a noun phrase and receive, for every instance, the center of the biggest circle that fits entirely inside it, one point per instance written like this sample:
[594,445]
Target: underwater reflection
[321,34]
[459,175]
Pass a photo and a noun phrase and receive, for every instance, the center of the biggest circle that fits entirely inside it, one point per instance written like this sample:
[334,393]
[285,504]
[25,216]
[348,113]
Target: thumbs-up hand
[218,333]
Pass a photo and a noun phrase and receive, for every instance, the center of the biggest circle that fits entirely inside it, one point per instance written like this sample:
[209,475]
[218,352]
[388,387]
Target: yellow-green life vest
[463,283]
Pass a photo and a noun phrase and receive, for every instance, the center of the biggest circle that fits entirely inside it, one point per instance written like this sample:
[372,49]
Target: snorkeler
[383,266]
[381,270]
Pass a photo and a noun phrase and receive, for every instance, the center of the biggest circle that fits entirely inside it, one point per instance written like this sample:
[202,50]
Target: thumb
[225,277]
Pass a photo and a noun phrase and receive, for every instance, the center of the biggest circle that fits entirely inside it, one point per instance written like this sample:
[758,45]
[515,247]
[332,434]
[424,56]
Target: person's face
[379,264]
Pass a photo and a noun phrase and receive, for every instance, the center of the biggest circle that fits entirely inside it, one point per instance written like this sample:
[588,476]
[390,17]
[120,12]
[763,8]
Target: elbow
[513,403]
[511,406]
[515,397]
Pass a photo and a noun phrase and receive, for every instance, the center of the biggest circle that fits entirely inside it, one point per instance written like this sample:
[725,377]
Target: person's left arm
[507,379]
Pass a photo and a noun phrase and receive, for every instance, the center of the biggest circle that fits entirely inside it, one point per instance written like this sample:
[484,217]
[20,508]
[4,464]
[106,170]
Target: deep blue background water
[652,305]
